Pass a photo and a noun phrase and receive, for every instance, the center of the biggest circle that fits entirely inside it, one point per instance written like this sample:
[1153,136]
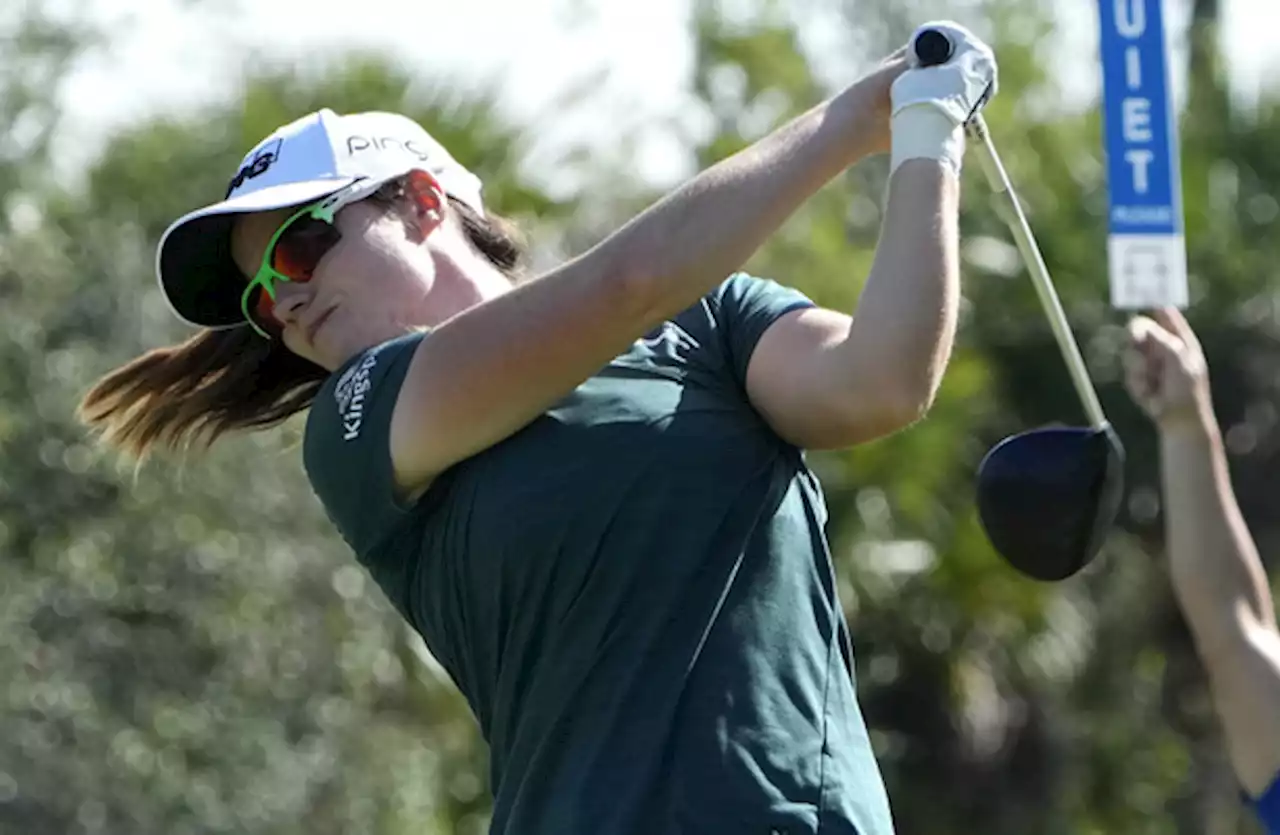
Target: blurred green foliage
[188,648]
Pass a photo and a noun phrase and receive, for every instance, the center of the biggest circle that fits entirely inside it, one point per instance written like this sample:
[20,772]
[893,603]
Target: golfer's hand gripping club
[939,46]
[932,101]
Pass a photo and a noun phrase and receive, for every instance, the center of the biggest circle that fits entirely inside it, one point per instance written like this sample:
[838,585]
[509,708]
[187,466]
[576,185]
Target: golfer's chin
[340,340]
[324,350]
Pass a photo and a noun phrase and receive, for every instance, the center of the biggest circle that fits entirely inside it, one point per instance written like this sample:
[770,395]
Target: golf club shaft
[980,140]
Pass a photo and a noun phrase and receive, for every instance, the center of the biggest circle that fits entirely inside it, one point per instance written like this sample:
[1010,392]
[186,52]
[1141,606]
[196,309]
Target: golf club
[1046,497]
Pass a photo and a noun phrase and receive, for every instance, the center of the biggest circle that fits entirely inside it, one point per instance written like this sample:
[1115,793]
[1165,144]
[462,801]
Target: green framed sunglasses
[293,253]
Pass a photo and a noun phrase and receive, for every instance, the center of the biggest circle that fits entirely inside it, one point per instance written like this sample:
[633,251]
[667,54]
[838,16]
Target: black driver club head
[1048,497]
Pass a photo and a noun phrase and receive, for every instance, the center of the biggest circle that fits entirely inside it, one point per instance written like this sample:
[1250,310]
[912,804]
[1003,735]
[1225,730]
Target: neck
[464,280]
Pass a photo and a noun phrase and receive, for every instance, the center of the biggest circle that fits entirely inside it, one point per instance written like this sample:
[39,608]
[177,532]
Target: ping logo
[350,393]
[356,144]
[263,158]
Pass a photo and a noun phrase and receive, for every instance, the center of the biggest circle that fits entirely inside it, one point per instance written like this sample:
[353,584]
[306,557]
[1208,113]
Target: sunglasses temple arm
[1011,212]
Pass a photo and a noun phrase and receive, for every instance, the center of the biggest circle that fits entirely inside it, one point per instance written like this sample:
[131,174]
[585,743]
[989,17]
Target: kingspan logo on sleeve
[350,394]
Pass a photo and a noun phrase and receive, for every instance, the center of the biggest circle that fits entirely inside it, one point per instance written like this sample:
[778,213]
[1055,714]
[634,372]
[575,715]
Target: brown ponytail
[219,381]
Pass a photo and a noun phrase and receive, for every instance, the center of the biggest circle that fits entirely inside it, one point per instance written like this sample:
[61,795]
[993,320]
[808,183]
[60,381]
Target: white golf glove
[932,104]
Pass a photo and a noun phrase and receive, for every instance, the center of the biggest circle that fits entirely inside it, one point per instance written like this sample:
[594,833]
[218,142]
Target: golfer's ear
[426,199]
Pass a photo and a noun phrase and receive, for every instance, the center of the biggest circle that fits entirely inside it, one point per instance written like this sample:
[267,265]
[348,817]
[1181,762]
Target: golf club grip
[1034,261]
[933,47]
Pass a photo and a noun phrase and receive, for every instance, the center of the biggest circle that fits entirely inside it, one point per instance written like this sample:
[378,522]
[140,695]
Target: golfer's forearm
[906,317]
[1217,576]
[682,246]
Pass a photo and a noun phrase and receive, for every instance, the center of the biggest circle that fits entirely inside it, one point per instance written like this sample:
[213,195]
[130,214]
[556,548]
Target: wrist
[923,131]
[865,108]
[1195,425]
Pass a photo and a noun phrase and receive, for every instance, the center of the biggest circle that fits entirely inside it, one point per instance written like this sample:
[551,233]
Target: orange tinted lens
[301,246]
[262,309]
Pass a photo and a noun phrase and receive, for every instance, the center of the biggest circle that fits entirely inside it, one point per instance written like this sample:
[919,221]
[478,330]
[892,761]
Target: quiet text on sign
[1147,251]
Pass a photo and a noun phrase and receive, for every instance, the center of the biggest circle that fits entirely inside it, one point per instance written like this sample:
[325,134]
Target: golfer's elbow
[636,295]
[902,393]
[910,402]
[641,292]
[911,385]
[900,344]
[878,409]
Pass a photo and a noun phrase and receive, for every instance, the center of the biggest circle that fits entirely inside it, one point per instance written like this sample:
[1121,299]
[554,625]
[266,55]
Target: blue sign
[1148,253]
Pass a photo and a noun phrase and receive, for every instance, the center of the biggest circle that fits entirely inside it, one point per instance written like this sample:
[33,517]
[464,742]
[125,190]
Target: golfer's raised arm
[825,380]
[1217,576]
[486,373]
[490,370]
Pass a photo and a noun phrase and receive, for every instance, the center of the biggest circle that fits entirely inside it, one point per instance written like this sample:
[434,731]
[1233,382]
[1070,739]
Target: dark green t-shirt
[634,592]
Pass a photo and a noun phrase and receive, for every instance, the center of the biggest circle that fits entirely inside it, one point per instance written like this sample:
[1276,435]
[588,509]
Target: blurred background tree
[188,648]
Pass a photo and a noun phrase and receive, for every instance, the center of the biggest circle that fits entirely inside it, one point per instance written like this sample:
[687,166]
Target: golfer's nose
[292,298]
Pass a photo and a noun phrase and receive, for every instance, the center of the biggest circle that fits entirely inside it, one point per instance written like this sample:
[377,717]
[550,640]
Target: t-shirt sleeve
[1267,808]
[744,307]
[347,445]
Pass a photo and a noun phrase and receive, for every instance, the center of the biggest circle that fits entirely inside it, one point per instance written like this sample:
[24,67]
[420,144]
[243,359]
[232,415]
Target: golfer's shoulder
[745,305]
[747,288]
[346,446]
[744,295]
[351,412]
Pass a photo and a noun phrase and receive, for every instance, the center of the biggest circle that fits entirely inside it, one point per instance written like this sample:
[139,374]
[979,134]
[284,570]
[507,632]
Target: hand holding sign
[1146,245]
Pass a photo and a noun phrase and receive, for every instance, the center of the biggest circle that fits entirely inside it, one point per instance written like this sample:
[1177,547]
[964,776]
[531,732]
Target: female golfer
[586,490]
[1218,579]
